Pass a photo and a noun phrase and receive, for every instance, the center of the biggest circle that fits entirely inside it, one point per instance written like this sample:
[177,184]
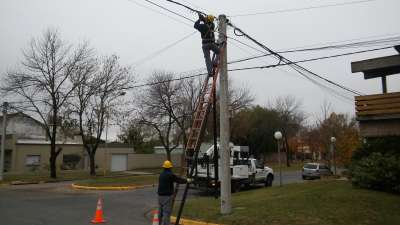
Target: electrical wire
[158,12]
[304,60]
[300,9]
[158,52]
[175,13]
[350,45]
[281,58]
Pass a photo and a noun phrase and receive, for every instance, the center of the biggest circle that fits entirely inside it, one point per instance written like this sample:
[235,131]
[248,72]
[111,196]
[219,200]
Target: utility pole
[3,139]
[226,206]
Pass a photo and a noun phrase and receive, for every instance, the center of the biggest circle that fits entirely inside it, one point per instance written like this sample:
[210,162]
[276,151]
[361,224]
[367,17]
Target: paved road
[58,204]
[52,204]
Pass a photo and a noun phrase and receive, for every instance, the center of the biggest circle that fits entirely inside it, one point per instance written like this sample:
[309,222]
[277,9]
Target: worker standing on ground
[206,27]
[166,190]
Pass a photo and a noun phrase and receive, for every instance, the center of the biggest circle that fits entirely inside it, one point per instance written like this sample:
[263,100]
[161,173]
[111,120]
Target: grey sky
[124,28]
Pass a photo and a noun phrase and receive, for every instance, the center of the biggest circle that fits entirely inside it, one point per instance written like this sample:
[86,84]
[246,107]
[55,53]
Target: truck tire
[236,185]
[269,180]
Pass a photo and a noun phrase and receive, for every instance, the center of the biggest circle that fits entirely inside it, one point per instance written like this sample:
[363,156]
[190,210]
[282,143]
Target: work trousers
[165,205]
[207,47]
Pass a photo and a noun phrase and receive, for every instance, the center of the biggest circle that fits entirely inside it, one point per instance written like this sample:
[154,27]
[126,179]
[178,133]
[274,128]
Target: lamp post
[278,137]
[333,140]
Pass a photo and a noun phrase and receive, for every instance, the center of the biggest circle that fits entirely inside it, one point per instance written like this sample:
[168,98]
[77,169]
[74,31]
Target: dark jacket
[166,182]
[206,30]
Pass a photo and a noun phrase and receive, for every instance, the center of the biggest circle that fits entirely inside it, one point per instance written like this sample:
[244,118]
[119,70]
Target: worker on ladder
[166,190]
[206,27]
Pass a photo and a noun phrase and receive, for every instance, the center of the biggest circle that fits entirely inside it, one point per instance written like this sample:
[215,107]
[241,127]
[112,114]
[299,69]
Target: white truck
[245,170]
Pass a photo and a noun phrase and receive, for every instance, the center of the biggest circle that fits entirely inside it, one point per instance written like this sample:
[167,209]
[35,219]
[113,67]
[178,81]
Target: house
[27,149]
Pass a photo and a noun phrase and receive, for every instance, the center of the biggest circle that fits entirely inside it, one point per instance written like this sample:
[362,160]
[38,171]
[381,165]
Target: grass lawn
[120,181]
[293,166]
[316,202]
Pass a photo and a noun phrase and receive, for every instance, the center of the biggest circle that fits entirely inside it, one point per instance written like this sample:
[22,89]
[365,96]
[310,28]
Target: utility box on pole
[226,206]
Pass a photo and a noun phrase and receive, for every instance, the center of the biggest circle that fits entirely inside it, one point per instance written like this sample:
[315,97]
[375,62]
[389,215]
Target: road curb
[192,222]
[112,188]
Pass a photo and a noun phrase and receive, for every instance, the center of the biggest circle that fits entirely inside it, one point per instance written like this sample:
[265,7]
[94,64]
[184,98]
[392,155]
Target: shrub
[376,165]
[377,171]
[70,161]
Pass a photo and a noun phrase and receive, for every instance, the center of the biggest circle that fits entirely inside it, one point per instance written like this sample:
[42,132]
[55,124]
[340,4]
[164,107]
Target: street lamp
[333,140]
[278,137]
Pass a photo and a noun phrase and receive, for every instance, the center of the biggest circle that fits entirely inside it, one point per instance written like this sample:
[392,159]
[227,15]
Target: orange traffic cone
[156,220]
[98,218]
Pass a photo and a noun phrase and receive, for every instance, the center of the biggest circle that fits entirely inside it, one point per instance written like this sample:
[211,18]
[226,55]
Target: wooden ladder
[199,122]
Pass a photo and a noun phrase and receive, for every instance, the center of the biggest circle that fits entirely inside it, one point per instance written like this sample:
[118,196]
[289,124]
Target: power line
[158,12]
[382,36]
[306,60]
[158,52]
[187,7]
[281,58]
[175,13]
[301,9]
[165,81]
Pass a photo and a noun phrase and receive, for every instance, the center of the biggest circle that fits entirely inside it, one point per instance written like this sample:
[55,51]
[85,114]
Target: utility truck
[245,170]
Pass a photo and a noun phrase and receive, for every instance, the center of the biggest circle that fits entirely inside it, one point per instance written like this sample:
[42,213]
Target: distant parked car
[315,170]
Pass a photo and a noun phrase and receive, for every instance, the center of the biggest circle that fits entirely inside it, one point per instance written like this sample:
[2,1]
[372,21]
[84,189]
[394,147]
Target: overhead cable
[301,9]
[281,58]
[175,13]
[305,60]
[153,10]
[158,52]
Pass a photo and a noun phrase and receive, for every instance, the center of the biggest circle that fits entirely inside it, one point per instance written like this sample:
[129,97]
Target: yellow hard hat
[210,18]
[167,164]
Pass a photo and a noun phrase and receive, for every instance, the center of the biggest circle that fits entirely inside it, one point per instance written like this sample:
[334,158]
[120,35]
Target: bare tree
[43,82]
[292,116]
[96,99]
[240,97]
[188,96]
[161,108]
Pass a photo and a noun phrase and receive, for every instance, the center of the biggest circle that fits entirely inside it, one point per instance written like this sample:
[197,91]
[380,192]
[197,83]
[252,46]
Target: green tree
[255,128]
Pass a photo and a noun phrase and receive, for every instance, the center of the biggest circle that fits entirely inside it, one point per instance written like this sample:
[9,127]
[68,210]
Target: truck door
[260,171]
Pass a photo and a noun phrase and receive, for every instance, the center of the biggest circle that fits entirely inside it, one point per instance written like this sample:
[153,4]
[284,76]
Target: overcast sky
[133,32]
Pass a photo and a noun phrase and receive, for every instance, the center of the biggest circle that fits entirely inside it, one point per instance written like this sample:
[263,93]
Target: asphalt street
[58,204]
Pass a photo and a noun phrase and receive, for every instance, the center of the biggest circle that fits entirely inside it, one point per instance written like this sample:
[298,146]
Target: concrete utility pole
[3,139]
[226,206]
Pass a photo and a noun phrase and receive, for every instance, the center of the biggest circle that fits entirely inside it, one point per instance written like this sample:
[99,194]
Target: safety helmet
[210,18]
[167,164]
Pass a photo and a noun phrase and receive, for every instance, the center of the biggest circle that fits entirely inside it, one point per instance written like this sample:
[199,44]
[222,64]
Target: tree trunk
[52,159]
[52,162]
[168,155]
[286,148]
[92,164]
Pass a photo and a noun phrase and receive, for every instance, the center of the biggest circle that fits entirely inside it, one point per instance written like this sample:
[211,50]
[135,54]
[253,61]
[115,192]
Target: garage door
[119,162]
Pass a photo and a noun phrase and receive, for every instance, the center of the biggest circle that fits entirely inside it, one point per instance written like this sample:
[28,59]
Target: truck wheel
[268,181]
[236,187]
